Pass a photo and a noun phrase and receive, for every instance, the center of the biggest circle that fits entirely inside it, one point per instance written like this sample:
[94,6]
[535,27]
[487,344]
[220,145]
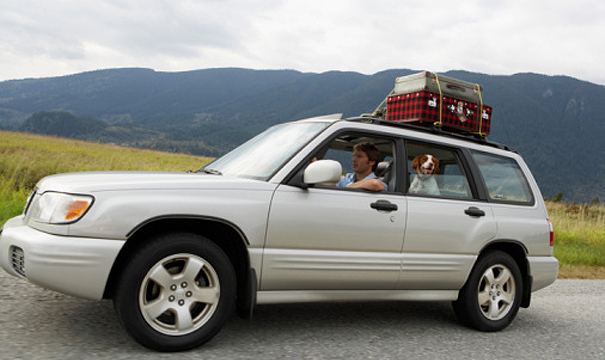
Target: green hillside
[26,158]
[555,122]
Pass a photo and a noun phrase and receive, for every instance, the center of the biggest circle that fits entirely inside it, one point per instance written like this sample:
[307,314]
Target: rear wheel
[176,293]
[490,299]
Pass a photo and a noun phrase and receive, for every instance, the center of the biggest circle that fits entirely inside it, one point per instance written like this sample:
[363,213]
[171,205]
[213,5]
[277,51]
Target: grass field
[26,158]
[579,239]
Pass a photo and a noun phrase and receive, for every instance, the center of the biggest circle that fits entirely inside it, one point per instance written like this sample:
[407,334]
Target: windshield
[261,156]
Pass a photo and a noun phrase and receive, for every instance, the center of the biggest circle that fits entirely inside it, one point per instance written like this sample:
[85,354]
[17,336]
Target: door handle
[384,206]
[474,211]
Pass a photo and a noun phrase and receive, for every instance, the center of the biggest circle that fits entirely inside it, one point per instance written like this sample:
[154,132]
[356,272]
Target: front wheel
[176,292]
[490,299]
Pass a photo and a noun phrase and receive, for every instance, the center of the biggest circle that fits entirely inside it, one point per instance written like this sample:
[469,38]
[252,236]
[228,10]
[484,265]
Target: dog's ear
[416,163]
[436,169]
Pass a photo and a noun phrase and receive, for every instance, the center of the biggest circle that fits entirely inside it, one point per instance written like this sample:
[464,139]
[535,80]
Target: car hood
[91,182]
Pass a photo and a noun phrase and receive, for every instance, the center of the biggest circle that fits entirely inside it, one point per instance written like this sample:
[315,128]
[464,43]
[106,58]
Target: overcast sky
[41,38]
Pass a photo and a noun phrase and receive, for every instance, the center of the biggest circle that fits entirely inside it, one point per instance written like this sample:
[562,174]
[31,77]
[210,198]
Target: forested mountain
[556,123]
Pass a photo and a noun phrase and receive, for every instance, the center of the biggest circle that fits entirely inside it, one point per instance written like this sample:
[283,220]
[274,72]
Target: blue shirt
[349,178]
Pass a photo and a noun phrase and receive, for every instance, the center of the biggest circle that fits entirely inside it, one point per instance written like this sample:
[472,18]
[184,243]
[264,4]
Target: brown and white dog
[424,182]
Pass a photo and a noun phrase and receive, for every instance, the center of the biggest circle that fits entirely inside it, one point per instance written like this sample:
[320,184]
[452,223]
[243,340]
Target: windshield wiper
[210,171]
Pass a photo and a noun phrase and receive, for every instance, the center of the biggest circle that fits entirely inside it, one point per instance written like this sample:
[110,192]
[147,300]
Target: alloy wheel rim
[179,294]
[496,293]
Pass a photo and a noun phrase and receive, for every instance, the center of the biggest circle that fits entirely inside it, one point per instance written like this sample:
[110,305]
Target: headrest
[382,168]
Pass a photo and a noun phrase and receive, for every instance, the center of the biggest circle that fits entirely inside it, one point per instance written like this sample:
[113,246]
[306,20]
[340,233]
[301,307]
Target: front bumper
[544,271]
[70,265]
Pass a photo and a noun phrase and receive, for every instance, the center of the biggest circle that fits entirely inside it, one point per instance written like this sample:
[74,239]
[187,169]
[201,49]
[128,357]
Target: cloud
[41,38]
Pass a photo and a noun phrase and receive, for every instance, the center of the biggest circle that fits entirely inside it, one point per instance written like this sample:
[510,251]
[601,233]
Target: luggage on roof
[427,98]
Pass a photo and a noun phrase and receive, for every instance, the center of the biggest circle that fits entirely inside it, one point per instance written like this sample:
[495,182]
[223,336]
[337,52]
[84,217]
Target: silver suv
[178,252]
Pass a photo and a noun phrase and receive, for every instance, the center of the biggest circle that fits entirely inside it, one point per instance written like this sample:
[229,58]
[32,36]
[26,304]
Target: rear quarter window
[504,179]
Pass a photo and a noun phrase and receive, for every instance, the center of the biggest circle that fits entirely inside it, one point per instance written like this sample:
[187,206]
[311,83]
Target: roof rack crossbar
[432,130]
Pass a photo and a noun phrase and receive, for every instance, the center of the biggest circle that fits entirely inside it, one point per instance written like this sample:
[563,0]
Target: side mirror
[322,172]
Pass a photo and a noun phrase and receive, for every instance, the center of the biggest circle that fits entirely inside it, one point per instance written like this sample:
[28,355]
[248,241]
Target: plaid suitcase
[429,99]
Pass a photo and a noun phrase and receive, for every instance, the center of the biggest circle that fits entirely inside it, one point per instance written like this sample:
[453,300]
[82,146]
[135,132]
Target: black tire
[176,292]
[490,299]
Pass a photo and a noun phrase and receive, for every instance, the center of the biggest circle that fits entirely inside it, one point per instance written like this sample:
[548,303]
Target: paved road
[565,321]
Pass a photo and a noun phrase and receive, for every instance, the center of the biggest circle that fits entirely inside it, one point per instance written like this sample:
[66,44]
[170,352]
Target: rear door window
[503,178]
[443,176]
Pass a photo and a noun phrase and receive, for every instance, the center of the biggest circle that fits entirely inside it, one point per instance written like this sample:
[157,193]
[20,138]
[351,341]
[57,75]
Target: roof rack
[429,129]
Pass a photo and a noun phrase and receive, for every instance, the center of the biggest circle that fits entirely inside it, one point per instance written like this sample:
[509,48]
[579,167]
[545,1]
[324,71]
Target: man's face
[361,163]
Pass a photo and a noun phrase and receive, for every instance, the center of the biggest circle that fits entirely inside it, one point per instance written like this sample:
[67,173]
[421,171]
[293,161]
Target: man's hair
[370,150]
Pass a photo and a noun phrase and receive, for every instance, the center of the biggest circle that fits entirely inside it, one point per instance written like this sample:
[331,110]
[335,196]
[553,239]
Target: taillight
[552,233]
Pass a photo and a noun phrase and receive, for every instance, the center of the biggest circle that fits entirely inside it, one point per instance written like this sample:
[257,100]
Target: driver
[365,160]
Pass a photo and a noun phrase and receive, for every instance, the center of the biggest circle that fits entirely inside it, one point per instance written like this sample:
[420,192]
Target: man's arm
[368,184]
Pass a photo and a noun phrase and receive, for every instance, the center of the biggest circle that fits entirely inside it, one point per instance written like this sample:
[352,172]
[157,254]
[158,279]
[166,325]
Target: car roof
[430,130]
[473,138]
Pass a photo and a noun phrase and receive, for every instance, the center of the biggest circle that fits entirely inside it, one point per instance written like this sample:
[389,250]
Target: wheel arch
[223,233]
[518,252]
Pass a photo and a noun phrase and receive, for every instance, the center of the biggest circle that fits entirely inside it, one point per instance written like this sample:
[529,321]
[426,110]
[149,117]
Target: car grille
[18,258]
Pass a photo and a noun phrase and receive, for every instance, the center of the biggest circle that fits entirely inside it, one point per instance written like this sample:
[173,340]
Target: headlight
[29,201]
[58,208]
